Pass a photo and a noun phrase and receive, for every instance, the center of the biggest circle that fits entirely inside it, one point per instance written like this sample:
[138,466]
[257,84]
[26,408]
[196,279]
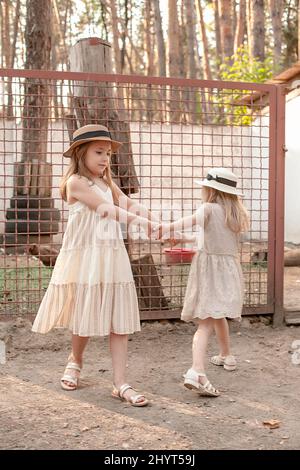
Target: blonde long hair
[77,166]
[236,215]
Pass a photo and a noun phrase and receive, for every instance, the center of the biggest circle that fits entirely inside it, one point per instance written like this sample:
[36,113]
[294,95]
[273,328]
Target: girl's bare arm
[135,207]
[79,189]
[199,217]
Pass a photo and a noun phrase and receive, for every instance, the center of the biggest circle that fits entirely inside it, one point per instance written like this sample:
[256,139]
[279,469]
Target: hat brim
[115,145]
[219,186]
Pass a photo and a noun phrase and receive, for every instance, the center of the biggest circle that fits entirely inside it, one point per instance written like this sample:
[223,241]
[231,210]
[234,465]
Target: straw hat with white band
[90,133]
[221,179]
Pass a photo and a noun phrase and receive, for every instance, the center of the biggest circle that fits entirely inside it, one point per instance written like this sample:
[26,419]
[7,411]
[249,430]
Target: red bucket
[179,255]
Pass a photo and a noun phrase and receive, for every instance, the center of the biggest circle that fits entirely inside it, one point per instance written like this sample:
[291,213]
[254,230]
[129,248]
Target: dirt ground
[36,414]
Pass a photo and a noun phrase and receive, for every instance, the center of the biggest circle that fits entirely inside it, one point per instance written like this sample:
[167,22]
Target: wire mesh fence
[173,131]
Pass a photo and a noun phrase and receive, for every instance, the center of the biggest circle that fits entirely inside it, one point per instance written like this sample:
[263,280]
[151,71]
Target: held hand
[157,231]
[174,241]
[166,234]
[153,229]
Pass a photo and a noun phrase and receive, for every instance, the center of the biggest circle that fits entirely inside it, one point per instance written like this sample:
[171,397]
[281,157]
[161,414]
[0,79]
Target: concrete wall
[167,160]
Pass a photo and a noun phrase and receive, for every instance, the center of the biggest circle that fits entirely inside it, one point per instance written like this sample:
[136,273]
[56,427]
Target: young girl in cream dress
[92,290]
[215,287]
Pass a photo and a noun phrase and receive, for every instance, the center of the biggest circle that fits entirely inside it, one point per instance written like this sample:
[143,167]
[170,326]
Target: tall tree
[149,38]
[217,32]
[240,26]
[290,33]
[173,37]
[275,10]
[33,174]
[174,57]
[161,55]
[206,61]
[256,28]
[36,101]
[161,48]
[12,57]
[150,57]
[191,47]
[191,37]
[226,27]
[116,35]
[299,31]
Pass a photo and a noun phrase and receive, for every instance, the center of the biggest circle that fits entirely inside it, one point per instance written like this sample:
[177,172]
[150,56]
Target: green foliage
[242,68]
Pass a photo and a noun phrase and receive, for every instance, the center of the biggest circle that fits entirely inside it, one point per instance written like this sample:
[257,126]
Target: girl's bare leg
[78,345]
[118,348]
[222,333]
[200,342]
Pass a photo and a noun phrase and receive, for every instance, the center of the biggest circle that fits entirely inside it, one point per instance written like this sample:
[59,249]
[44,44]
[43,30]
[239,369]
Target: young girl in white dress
[92,290]
[215,285]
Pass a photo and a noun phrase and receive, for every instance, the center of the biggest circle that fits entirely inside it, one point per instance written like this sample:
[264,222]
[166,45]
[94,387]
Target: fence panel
[173,131]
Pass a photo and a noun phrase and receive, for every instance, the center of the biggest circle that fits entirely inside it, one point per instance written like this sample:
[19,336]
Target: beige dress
[215,285]
[91,291]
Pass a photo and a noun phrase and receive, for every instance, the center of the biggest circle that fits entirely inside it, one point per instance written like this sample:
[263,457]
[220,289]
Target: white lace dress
[215,285]
[91,291]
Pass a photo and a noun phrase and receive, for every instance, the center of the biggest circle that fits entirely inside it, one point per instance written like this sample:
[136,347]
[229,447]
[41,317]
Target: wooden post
[97,102]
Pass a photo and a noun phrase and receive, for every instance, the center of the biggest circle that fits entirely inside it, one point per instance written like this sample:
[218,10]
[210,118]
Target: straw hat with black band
[91,133]
[221,179]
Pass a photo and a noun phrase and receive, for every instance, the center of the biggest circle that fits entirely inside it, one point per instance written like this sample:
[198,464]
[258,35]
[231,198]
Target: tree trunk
[5,22]
[57,42]
[150,62]
[95,102]
[2,36]
[206,105]
[124,35]
[226,28]
[36,103]
[241,26]
[276,10]
[234,16]
[173,36]
[161,51]
[218,32]
[299,31]
[116,35]
[10,110]
[191,71]
[256,28]
[206,63]
[64,29]
[174,59]
[6,38]
[183,47]
[34,216]
[191,37]
[161,48]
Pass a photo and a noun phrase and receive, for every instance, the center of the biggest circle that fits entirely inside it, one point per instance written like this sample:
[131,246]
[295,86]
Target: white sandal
[69,378]
[228,362]
[191,381]
[119,393]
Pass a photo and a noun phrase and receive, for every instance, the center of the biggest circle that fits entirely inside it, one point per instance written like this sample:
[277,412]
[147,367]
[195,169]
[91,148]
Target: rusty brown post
[278,317]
